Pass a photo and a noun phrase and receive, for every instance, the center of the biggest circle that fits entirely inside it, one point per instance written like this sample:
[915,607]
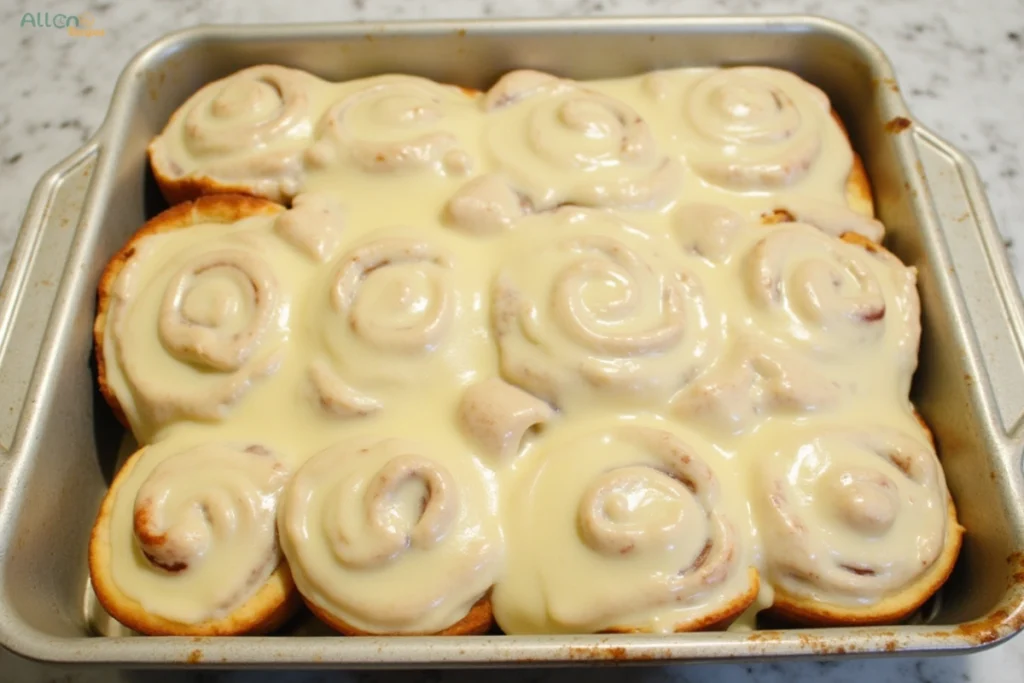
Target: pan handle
[983,273]
[32,282]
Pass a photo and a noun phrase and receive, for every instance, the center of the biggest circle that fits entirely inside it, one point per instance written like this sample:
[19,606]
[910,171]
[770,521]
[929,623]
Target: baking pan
[60,444]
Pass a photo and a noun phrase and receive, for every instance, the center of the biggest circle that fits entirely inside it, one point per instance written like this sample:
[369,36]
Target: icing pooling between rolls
[470,273]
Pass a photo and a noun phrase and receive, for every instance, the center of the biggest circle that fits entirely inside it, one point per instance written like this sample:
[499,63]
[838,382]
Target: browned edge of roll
[859,195]
[893,609]
[858,240]
[213,209]
[714,621]
[477,621]
[191,187]
[273,604]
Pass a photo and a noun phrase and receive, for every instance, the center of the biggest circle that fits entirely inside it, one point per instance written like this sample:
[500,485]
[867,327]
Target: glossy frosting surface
[541,339]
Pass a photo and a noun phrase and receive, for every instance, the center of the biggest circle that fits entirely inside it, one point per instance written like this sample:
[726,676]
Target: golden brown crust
[478,620]
[212,209]
[858,186]
[858,240]
[858,189]
[715,621]
[271,606]
[187,188]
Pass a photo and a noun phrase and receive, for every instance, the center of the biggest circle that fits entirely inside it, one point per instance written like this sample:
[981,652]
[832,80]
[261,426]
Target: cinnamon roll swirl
[754,128]
[590,308]
[186,544]
[639,535]
[835,298]
[396,125]
[561,143]
[244,133]
[857,522]
[400,309]
[392,536]
[192,313]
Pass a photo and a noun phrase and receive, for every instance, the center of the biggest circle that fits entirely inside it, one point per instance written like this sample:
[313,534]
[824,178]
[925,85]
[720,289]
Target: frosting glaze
[756,139]
[192,531]
[639,310]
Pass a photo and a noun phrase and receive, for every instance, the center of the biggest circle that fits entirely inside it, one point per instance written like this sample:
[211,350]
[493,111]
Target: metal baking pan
[60,444]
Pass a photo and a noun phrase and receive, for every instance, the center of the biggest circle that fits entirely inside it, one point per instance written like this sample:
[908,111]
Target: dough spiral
[393,307]
[832,296]
[852,515]
[593,306]
[246,131]
[249,110]
[203,519]
[564,144]
[749,128]
[634,534]
[395,124]
[218,328]
[390,535]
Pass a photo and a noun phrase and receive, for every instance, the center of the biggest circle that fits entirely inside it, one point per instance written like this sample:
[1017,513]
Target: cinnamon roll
[755,128]
[185,542]
[562,143]
[193,312]
[836,299]
[589,308]
[642,534]
[396,125]
[641,329]
[858,525]
[399,308]
[244,134]
[393,536]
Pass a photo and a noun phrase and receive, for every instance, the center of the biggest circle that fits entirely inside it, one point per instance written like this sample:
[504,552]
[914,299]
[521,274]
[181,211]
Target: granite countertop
[956,61]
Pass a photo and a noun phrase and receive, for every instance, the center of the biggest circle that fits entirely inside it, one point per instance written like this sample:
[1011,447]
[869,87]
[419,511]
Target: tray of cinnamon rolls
[522,359]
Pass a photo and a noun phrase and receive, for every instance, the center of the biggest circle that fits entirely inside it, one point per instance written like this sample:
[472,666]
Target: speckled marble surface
[957,62]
